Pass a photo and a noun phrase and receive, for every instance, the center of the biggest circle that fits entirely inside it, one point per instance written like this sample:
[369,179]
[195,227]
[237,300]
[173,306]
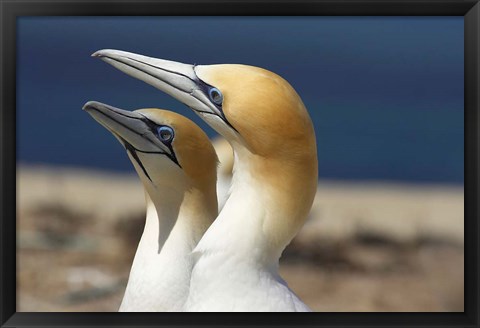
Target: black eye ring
[215,96]
[165,133]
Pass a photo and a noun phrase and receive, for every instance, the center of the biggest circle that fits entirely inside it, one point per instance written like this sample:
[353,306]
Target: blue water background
[385,93]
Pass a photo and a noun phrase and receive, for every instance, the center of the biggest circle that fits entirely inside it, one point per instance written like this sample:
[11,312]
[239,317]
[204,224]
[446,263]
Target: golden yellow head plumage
[264,109]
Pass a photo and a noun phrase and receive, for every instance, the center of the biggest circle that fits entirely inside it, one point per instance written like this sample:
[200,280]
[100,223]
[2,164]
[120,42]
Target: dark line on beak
[150,74]
[164,69]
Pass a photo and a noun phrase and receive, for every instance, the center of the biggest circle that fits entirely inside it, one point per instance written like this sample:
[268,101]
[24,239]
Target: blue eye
[215,96]
[165,133]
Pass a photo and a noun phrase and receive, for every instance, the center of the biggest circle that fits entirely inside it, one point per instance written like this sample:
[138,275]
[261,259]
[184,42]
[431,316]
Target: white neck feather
[160,274]
[238,230]
[236,261]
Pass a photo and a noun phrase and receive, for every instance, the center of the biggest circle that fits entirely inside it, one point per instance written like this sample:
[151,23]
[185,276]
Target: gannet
[274,180]
[177,165]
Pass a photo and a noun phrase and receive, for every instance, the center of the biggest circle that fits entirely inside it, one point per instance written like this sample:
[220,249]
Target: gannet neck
[177,165]
[236,261]
[268,204]
[160,275]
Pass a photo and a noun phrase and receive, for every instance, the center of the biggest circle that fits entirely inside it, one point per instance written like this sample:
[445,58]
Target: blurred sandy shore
[365,247]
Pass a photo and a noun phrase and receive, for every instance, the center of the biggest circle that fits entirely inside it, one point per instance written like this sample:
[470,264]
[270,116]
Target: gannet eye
[165,133]
[215,96]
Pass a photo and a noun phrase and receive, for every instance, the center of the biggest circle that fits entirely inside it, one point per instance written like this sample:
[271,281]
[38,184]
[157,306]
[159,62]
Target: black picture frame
[10,10]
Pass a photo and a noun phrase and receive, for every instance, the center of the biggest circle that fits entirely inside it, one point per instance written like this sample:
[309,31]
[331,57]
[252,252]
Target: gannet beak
[133,130]
[176,79]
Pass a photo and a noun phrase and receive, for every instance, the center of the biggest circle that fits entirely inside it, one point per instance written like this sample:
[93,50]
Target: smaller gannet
[225,169]
[274,180]
[177,165]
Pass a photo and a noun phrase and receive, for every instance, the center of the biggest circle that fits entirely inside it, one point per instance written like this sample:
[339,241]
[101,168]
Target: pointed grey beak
[176,79]
[133,130]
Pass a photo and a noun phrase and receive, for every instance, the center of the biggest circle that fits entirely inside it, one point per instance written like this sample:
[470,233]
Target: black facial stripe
[205,88]
[148,122]
[210,113]
[132,151]
[153,127]
[130,148]
[228,123]
[172,157]
[222,116]
[204,112]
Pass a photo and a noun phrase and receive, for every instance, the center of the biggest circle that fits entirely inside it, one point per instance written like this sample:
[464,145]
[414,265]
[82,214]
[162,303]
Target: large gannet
[177,165]
[274,180]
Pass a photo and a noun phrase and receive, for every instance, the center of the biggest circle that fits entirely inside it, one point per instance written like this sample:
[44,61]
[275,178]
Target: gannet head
[258,112]
[171,154]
